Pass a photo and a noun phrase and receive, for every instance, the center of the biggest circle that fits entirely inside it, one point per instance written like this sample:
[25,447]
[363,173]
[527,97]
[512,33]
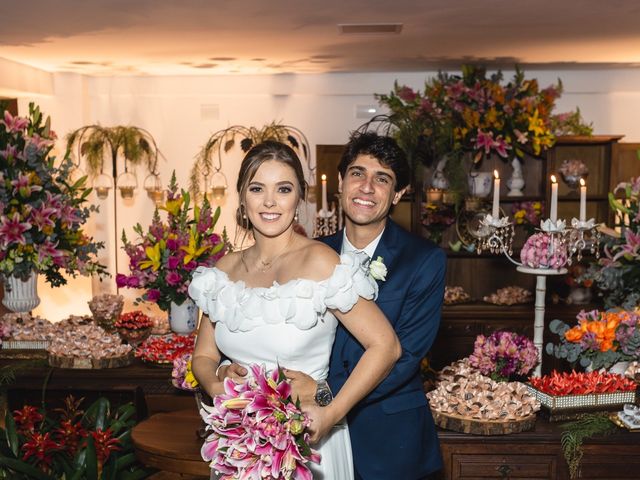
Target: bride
[278,303]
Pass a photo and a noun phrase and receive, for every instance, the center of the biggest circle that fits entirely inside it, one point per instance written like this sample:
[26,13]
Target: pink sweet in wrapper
[541,250]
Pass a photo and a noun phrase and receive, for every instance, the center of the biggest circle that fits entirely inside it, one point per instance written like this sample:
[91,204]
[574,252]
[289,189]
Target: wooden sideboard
[537,454]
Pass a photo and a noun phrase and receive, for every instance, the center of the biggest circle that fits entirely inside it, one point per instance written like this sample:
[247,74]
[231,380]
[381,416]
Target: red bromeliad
[27,418]
[41,447]
[577,383]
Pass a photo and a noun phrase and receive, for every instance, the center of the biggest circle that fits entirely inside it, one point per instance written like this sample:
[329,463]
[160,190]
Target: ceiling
[196,37]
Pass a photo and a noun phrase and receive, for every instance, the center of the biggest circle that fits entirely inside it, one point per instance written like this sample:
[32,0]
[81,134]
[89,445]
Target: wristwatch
[323,394]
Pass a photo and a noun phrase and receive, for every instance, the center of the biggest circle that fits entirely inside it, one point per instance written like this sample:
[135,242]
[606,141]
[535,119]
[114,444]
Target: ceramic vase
[21,295]
[183,318]
[516,182]
[480,184]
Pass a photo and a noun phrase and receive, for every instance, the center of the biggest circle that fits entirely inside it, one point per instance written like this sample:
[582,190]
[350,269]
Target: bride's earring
[295,217]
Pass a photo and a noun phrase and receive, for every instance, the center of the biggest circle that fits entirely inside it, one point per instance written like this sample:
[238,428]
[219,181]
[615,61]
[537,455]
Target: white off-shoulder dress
[290,325]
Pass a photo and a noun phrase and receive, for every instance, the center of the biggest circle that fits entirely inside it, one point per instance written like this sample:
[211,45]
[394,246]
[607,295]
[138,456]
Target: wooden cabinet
[536,454]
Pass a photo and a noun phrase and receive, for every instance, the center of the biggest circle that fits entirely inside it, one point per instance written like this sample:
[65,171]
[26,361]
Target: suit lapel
[387,249]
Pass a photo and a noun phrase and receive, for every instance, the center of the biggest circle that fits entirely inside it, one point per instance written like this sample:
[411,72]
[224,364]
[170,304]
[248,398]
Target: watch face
[323,397]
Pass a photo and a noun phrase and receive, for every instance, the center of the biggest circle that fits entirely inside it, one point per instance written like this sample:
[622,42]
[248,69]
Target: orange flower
[574,335]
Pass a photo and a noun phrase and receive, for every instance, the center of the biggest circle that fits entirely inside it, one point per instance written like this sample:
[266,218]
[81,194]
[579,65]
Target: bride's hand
[322,421]
[234,371]
[302,386]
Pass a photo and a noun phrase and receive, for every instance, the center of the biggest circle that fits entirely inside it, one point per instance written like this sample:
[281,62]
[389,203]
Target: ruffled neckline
[298,301]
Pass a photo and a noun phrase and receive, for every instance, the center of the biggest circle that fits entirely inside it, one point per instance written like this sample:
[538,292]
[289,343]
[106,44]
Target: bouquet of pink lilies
[256,430]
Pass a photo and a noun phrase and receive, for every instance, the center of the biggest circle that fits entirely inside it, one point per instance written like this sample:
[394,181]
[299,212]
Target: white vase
[183,319]
[480,184]
[21,295]
[516,182]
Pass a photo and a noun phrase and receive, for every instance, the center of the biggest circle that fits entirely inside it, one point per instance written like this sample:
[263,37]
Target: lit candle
[324,193]
[583,200]
[553,214]
[496,195]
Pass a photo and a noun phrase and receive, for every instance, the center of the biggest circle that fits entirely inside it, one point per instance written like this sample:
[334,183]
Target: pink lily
[41,217]
[12,230]
[501,147]
[22,185]
[14,124]
[49,250]
[484,140]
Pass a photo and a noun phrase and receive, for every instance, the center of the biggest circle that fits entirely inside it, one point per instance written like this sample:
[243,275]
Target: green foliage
[209,159]
[94,142]
[69,444]
[576,432]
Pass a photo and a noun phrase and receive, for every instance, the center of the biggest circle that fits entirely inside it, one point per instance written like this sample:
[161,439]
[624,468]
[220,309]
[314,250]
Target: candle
[583,200]
[324,193]
[495,213]
[434,195]
[553,214]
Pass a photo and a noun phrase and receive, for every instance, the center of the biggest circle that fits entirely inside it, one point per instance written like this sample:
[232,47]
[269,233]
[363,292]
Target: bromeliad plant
[42,213]
[162,260]
[69,443]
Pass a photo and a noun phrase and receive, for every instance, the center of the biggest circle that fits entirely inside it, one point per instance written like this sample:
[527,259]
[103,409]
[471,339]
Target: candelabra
[546,254]
[326,223]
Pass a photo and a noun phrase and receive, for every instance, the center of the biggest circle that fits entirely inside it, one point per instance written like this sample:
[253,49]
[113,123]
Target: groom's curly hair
[384,149]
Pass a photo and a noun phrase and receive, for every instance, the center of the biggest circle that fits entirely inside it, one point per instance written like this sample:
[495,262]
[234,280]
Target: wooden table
[169,442]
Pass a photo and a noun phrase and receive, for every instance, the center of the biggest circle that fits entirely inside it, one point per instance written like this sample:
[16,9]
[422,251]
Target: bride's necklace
[265,265]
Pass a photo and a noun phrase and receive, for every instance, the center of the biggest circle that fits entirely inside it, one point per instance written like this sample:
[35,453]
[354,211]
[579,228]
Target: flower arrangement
[42,213]
[476,113]
[502,355]
[543,250]
[164,257]
[581,383]
[257,431]
[599,340]
[573,168]
[182,376]
[436,219]
[165,349]
[70,442]
[528,214]
[617,273]
[135,320]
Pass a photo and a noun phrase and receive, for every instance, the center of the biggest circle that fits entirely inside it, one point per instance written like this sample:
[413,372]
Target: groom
[392,431]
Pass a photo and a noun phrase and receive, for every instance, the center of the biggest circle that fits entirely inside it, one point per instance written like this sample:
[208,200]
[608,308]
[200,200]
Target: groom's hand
[302,386]
[234,371]
[322,421]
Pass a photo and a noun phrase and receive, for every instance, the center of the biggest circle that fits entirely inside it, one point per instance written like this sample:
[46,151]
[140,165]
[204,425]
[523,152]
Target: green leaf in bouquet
[96,414]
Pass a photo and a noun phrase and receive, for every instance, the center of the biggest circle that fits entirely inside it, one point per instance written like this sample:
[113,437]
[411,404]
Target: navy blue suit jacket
[392,430]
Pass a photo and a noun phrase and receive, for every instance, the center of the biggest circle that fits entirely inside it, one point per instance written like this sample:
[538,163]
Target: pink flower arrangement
[182,376]
[42,212]
[502,355]
[257,431]
[164,258]
[543,251]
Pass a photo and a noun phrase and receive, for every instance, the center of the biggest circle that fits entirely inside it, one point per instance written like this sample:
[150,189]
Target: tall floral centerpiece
[163,258]
[42,213]
[478,115]
[617,273]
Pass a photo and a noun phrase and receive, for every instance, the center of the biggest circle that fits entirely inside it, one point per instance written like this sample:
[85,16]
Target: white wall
[322,106]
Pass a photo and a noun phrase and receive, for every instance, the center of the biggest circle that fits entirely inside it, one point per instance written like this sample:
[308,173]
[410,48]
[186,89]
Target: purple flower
[406,94]
[173,278]
[172,262]
[173,244]
[153,294]
[121,280]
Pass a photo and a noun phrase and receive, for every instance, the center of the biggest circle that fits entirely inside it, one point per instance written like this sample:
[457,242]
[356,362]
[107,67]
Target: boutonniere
[377,269]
